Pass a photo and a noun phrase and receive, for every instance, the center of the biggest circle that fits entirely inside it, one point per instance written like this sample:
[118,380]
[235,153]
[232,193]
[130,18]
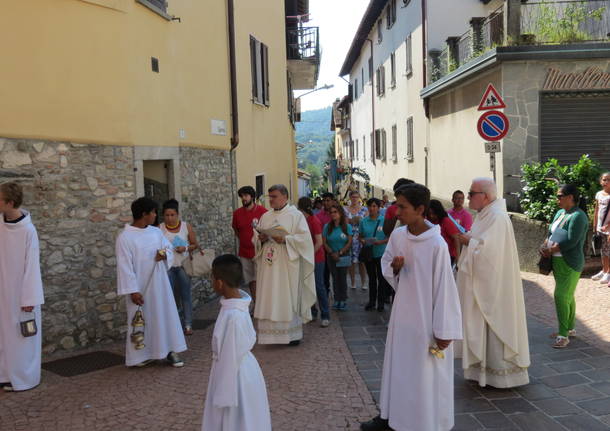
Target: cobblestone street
[331,381]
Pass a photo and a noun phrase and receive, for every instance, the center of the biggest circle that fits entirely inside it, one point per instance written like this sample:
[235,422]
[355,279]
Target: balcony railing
[542,22]
[303,43]
[566,21]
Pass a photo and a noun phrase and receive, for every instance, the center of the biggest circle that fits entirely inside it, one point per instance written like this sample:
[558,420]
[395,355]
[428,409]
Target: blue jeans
[181,286]
[321,292]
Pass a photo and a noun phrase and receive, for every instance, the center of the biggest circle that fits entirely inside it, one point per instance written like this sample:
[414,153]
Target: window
[371,70]
[394,144]
[260,186]
[410,157]
[364,148]
[391,14]
[393,70]
[356,147]
[362,79]
[409,68]
[356,88]
[379,31]
[384,146]
[380,81]
[259,62]
[372,156]
[378,151]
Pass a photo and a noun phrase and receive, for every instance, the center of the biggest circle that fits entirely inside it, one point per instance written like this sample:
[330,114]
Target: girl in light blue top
[337,238]
[371,235]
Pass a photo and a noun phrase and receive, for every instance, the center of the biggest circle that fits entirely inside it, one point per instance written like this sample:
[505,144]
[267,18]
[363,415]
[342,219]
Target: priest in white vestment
[285,271]
[495,349]
[236,399]
[21,293]
[417,386]
[142,278]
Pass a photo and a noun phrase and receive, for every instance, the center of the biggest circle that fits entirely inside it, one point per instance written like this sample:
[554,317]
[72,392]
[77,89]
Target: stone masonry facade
[79,196]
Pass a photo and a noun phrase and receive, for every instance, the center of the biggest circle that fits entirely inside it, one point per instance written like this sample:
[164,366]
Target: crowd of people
[432,264]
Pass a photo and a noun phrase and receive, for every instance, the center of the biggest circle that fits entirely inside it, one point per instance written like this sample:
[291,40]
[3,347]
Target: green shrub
[542,179]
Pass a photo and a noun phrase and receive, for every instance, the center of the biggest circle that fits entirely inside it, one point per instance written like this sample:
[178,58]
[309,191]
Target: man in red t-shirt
[324,217]
[244,221]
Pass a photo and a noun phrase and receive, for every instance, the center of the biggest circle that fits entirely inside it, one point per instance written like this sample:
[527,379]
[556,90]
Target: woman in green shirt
[565,243]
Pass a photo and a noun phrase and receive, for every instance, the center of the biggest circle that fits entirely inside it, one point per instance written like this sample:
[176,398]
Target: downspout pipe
[234,106]
[373,155]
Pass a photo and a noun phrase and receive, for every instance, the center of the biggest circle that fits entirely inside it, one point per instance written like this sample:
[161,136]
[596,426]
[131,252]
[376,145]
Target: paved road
[569,390]
[331,381]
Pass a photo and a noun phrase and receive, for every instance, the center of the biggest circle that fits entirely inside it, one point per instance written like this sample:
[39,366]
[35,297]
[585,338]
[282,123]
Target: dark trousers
[378,286]
[339,275]
[327,275]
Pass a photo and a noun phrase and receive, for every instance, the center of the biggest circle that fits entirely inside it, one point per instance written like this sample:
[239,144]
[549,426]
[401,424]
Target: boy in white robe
[417,379]
[20,293]
[143,257]
[236,399]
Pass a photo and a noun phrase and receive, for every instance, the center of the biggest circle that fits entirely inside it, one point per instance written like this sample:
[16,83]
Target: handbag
[29,327]
[344,261]
[197,264]
[545,264]
[597,241]
[366,252]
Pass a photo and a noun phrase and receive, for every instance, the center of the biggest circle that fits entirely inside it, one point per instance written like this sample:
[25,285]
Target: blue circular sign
[493,125]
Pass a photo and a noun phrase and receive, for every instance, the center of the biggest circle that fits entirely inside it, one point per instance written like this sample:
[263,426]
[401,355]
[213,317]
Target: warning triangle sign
[491,99]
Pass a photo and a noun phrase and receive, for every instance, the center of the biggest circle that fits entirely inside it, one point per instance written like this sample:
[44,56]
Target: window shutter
[393,70]
[265,73]
[364,148]
[372,147]
[410,139]
[384,147]
[254,69]
[394,144]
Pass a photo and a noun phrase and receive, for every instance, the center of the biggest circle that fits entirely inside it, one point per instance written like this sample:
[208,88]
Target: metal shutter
[573,124]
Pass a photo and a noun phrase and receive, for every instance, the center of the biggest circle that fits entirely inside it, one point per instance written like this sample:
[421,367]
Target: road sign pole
[492,164]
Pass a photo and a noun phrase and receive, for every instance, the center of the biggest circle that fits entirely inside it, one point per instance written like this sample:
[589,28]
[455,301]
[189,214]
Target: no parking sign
[493,125]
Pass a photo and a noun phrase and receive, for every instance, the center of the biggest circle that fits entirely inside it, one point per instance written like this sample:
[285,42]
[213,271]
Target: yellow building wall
[80,71]
[266,137]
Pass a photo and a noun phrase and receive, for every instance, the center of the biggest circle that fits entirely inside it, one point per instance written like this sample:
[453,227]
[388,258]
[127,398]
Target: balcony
[540,22]
[303,53]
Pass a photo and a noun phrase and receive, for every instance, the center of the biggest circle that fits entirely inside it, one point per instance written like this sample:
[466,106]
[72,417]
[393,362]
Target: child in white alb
[237,398]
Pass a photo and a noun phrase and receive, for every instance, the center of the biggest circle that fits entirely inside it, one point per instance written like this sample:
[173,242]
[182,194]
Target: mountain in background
[315,127]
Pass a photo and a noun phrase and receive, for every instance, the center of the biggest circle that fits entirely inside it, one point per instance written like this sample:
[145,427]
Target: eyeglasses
[471,194]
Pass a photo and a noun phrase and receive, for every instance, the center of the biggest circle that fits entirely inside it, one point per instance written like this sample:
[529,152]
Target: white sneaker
[353,286]
[325,323]
[605,279]
[598,276]
[364,287]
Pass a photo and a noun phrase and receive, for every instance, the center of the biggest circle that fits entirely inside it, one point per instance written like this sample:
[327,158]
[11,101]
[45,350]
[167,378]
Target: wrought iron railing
[562,21]
[303,43]
[464,48]
[493,29]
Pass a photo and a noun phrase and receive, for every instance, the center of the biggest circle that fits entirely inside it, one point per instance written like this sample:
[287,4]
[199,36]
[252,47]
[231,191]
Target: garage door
[573,124]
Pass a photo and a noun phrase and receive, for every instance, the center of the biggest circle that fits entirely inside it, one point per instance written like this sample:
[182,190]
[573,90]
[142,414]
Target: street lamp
[324,87]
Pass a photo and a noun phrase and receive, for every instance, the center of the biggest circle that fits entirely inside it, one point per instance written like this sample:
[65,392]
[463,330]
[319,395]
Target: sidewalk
[569,388]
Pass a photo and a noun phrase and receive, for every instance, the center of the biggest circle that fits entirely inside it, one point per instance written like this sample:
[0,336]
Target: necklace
[172,227]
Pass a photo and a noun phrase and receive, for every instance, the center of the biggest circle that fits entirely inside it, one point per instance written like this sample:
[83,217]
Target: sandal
[561,342]
[188,331]
[571,334]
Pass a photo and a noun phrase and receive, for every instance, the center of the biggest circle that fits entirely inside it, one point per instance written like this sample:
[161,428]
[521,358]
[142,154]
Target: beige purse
[197,264]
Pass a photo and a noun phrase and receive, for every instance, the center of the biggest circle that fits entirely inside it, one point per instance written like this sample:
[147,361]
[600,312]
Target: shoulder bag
[366,252]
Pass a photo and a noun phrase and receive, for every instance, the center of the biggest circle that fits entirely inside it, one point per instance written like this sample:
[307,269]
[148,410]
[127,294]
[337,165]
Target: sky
[338,21]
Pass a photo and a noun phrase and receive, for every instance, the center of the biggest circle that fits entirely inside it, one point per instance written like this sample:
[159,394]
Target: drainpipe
[234,110]
[373,102]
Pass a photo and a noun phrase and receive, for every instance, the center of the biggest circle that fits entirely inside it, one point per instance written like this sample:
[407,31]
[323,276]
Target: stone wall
[529,234]
[79,197]
[522,82]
